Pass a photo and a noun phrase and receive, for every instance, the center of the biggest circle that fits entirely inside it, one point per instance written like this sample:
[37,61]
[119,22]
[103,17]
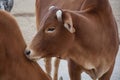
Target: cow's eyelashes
[50,29]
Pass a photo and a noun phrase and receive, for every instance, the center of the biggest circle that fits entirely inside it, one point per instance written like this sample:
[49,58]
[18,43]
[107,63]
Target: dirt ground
[24,12]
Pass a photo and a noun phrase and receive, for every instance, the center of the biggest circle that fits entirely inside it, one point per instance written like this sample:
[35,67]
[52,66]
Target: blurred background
[24,12]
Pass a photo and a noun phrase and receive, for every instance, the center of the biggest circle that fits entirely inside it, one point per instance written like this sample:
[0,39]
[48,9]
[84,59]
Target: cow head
[55,36]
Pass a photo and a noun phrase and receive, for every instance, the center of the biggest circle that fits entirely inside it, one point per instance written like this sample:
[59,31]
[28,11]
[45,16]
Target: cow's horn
[51,7]
[59,15]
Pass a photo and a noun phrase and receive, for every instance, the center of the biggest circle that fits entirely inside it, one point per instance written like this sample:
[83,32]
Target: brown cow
[88,39]
[13,64]
[41,9]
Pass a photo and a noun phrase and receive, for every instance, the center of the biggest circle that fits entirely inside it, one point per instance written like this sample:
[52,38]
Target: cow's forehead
[50,17]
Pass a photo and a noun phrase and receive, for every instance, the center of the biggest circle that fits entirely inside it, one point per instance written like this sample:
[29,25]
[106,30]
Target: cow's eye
[50,30]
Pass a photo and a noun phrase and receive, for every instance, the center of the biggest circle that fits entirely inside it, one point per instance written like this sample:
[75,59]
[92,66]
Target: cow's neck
[85,26]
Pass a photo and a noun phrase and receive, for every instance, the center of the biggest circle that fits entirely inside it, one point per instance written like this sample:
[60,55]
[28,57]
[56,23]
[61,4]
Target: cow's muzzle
[27,52]
[30,55]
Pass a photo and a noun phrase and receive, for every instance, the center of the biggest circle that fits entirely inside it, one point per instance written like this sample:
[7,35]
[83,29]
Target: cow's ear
[68,23]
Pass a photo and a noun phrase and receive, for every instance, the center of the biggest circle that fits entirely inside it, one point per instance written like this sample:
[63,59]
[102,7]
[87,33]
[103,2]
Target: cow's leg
[108,74]
[56,66]
[74,70]
[48,65]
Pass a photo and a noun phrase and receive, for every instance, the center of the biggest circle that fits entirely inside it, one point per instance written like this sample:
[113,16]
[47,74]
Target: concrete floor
[27,26]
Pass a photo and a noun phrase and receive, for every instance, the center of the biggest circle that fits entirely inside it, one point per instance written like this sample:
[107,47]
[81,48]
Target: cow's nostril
[27,52]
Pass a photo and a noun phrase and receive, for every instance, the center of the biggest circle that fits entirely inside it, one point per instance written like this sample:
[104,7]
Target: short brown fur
[42,7]
[13,63]
[93,46]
